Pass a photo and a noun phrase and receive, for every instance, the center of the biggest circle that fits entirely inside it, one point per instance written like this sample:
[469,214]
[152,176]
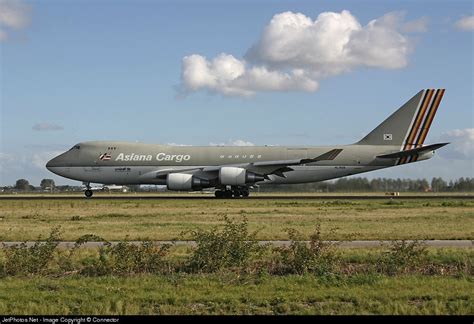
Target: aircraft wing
[277,167]
[264,168]
[330,155]
[415,151]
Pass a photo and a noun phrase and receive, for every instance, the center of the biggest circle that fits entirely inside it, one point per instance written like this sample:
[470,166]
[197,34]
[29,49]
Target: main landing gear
[88,192]
[234,192]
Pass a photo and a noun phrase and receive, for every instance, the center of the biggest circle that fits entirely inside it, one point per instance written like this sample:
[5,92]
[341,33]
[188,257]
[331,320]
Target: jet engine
[183,181]
[237,176]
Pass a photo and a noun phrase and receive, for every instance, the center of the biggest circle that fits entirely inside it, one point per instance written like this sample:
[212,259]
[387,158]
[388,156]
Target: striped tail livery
[408,127]
[426,110]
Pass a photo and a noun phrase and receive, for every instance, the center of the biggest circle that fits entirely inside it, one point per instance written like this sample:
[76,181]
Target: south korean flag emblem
[387,137]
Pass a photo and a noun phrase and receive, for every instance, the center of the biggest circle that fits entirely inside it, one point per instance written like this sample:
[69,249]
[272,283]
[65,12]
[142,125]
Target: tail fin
[409,125]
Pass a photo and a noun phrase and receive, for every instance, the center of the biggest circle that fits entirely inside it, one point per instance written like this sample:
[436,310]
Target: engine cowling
[183,181]
[237,176]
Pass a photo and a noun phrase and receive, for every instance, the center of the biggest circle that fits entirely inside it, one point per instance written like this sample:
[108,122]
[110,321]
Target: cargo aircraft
[232,170]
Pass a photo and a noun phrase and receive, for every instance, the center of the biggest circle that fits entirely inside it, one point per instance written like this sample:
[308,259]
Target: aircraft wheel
[228,194]
[219,194]
[237,193]
[88,193]
[245,193]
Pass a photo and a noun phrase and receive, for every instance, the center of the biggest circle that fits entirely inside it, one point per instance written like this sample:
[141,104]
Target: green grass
[386,280]
[229,294]
[168,219]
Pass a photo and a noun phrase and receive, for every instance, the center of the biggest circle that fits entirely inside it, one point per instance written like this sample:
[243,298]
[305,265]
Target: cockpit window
[75,147]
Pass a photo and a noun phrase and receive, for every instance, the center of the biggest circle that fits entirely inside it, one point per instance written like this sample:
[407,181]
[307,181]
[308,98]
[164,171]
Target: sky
[229,72]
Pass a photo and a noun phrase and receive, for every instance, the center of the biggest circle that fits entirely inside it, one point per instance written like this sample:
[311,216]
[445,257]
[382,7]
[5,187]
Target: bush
[22,259]
[402,256]
[315,256]
[228,247]
[66,260]
[97,266]
[146,257]
[127,258]
[231,247]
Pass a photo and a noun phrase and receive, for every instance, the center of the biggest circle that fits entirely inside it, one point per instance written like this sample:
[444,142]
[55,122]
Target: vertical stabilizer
[409,125]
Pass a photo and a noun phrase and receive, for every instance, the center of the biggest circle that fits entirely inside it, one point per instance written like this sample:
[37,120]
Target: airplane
[232,170]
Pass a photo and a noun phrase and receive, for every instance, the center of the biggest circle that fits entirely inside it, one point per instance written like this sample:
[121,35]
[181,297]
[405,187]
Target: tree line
[377,185]
[339,185]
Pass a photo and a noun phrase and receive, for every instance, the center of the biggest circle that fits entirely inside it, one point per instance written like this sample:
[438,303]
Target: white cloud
[462,144]
[419,25]
[8,164]
[465,23]
[229,76]
[6,158]
[238,142]
[295,52]
[241,143]
[13,15]
[28,165]
[176,144]
[44,127]
[331,44]
[230,142]
[3,36]
[15,161]
[39,160]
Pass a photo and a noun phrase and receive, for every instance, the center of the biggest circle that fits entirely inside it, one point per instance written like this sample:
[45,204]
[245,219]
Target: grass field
[169,219]
[217,294]
[355,281]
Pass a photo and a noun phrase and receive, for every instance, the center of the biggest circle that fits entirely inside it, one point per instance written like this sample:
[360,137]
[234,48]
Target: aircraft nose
[54,162]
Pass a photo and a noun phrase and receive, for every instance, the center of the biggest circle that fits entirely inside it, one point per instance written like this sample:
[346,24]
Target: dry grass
[168,219]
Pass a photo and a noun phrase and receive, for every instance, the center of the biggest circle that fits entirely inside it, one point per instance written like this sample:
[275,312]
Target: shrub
[126,258]
[65,258]
[232,246]
[316,256]
[402,256]
[130,258]
[22,259]
[97,266]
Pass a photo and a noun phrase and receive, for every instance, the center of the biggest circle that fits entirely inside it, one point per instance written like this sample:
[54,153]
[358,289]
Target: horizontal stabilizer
[415,151]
